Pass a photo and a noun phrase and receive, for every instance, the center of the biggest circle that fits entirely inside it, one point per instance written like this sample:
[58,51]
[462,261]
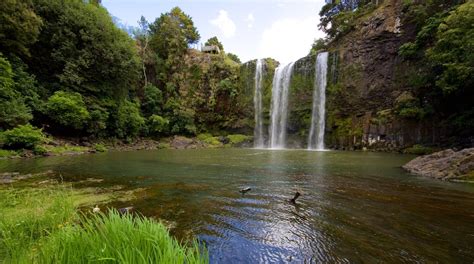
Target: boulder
[445,165]
[179,142]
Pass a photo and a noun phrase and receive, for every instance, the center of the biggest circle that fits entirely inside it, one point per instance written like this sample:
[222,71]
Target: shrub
[209,139]
[204,136]
[40,150]
[418,150]
[213,141]
[158,124]
[152,100]
[181,118]
[67,109]
[128,120]
[98,120]
[408,50]
[25,136]
[100,148]
[6,153]
[237,138]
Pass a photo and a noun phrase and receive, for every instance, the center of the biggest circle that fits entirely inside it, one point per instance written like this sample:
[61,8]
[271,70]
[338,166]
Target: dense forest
[69,70]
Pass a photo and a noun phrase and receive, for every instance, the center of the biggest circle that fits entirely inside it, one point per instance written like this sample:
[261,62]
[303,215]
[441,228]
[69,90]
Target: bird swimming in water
[293,200]
[245,190]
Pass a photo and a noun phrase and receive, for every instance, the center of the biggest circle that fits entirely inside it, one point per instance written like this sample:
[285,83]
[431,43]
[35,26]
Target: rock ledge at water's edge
[445,165]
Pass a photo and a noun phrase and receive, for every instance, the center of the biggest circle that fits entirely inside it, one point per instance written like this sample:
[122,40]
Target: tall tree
[81,49]
[171,34]
[142,36]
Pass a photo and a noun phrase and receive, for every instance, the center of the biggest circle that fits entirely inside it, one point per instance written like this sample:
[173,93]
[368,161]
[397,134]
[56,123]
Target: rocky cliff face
[367,84]
[366,80]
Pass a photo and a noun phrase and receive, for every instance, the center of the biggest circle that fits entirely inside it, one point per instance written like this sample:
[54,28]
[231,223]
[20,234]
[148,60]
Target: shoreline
[75,146]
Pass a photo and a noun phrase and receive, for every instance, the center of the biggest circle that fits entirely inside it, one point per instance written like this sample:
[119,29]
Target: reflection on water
[355,207]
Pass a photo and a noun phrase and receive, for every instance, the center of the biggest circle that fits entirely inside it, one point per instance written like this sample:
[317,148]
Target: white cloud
[250,19]
[225,24]
[289,39]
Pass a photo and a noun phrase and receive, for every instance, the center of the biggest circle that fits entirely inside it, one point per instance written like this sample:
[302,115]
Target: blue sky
[281,29]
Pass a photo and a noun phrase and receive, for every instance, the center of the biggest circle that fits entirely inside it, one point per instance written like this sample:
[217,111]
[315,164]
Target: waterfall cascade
[316,132]
[279,106]
[257,102]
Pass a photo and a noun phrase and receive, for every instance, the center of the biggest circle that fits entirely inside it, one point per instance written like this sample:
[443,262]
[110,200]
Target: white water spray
[279,106]
[316,132]
[257,102]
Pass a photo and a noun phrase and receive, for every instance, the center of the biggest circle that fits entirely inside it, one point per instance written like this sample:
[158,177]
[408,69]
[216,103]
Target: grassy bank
[42,225]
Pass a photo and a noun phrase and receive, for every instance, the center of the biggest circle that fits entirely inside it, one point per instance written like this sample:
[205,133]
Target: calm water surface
[355,207]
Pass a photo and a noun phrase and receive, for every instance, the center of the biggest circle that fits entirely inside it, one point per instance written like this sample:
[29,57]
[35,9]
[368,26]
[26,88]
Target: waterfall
[316,132]
[257,102]
[279,106]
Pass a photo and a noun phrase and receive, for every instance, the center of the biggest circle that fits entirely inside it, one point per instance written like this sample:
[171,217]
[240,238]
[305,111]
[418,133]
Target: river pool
[355,206]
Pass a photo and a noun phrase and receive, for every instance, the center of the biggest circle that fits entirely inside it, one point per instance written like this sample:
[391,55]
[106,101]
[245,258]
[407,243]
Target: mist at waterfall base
[279,105]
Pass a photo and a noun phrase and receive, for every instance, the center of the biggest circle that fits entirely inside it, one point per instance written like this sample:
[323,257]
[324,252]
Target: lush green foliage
[27,219]
[453,50]
[233,57]
[152,100]
[13,110]
[88,77]
[67,109]
[318,45]
[238,138]
[19,27]
[170,35]
[418,150]
[442,51]
[35,231]
[128,120]
[158,125]
[339,17]
[65,149]
[81,49]
[100,148]
[6,153]
[118,238]
[23,136]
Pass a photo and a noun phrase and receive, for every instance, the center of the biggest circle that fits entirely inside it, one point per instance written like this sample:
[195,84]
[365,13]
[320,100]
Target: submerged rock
[445,165]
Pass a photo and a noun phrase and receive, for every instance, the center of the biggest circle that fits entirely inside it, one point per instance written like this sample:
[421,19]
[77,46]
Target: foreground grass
[44,226]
